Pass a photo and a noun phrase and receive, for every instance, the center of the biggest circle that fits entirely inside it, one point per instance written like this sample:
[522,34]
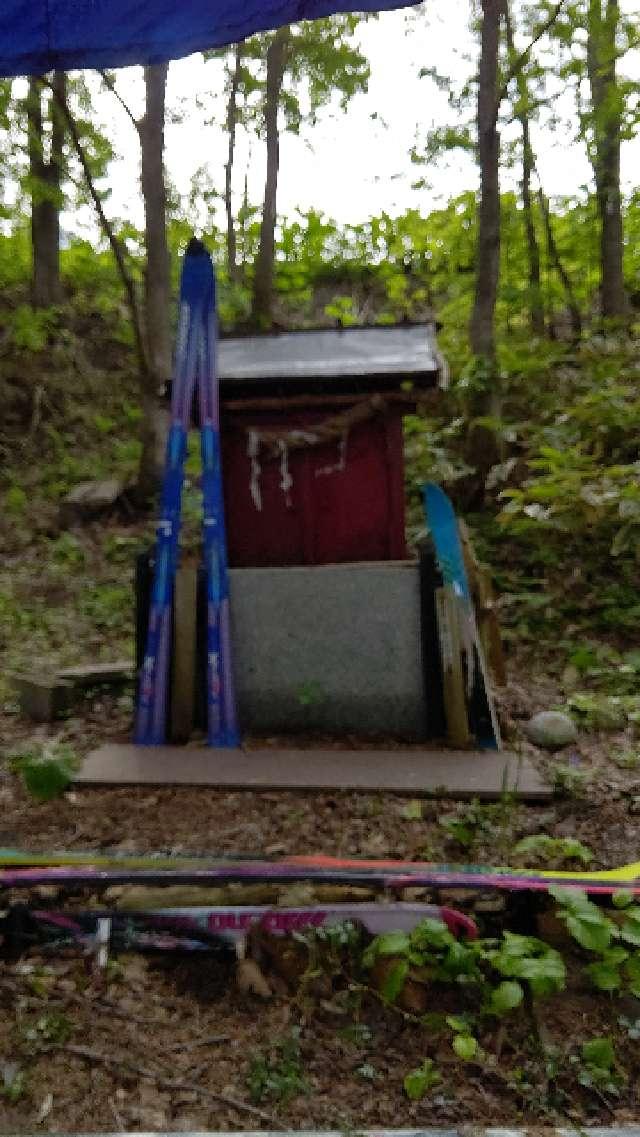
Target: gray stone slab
[446,773]
[331,648]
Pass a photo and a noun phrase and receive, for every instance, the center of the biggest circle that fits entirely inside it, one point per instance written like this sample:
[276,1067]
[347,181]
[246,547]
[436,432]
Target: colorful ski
[210,928]
[96,871]
[194,367]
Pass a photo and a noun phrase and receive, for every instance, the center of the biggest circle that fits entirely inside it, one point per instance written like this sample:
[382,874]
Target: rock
[90,500]
[551,730]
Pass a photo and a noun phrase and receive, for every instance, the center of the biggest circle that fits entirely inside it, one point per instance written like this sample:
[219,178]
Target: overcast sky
[350,165]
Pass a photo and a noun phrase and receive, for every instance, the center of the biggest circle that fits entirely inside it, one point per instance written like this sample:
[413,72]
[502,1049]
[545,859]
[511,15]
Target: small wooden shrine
[312,441]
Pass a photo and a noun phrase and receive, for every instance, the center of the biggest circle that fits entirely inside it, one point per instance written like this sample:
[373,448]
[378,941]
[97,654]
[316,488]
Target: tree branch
[107,228]
[110,83]
[522,58]
[162,1080]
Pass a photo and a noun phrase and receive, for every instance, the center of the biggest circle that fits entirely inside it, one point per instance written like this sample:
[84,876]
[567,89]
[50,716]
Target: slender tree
[553,254]
[536,307]
[262,303]
[45,177]
[606,117]
[157,295]
[482,326]
[319,57]
[234,80]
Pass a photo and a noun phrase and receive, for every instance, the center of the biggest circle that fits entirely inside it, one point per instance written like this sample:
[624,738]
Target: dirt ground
[155,1044]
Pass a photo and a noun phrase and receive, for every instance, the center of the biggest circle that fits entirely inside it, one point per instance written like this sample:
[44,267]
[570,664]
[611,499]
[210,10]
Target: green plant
[31,327]
[614,942]
[51,1029]
[568,781]
[528,958]
[470,821]
[15,501]
[553,850]
[277,1071]
[598,1067]
[108,606]
[464,1043]
[492,970]
[419,1082]
[67,552]
[342,309]
[46,770]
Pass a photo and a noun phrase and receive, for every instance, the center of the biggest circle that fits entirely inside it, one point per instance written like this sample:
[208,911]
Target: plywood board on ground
[452,773]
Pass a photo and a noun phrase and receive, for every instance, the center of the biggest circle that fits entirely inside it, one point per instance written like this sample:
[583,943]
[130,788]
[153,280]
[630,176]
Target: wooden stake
[455,705]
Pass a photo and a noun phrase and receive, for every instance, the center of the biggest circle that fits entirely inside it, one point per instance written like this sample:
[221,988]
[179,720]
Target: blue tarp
[41,35]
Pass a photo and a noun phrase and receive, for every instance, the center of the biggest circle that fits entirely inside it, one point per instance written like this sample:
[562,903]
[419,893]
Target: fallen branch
[211,1040]
[162,1080]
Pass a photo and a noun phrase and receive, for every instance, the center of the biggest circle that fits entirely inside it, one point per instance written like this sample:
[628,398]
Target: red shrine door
[332,503]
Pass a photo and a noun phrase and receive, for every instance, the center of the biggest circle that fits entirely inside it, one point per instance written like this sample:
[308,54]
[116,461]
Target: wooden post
[455,704]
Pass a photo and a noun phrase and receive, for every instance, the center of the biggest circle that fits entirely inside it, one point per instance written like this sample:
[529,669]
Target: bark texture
[46,179]
[606,110]
[482,328]
[482,449]
[262,302]
[556,260]
[232,121]
[157,296]
[536,306]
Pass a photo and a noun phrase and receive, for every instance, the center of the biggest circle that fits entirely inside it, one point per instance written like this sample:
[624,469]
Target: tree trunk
[482,328]
[556,260]
[482,448]
[232,120]
[536,308]
[606,108]
[46,178]
[262,305]
[157,294]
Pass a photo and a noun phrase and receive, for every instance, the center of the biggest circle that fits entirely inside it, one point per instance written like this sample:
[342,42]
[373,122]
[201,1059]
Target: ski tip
[197,286]
[196,248]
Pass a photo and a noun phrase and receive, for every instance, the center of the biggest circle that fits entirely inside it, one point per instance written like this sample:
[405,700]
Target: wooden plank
[484,600]
[447,773]
[93,674]
[455,704]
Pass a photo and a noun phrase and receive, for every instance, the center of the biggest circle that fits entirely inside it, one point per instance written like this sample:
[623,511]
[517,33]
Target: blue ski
[443,526]
[194,368]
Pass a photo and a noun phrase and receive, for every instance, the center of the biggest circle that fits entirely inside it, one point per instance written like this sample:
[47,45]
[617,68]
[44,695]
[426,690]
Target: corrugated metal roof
[407,350]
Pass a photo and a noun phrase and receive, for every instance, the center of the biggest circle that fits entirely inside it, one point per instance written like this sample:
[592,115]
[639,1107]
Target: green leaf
[412,811]
[395,980]
[505,997]
[392,943]
[588,925]
[630,927]
[599,1052]
[605,973]
[419,1082]
[465,1046]
[622,899]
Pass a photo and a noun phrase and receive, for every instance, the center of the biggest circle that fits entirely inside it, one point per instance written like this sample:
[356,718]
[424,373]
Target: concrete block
[330,648]
[43,698]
